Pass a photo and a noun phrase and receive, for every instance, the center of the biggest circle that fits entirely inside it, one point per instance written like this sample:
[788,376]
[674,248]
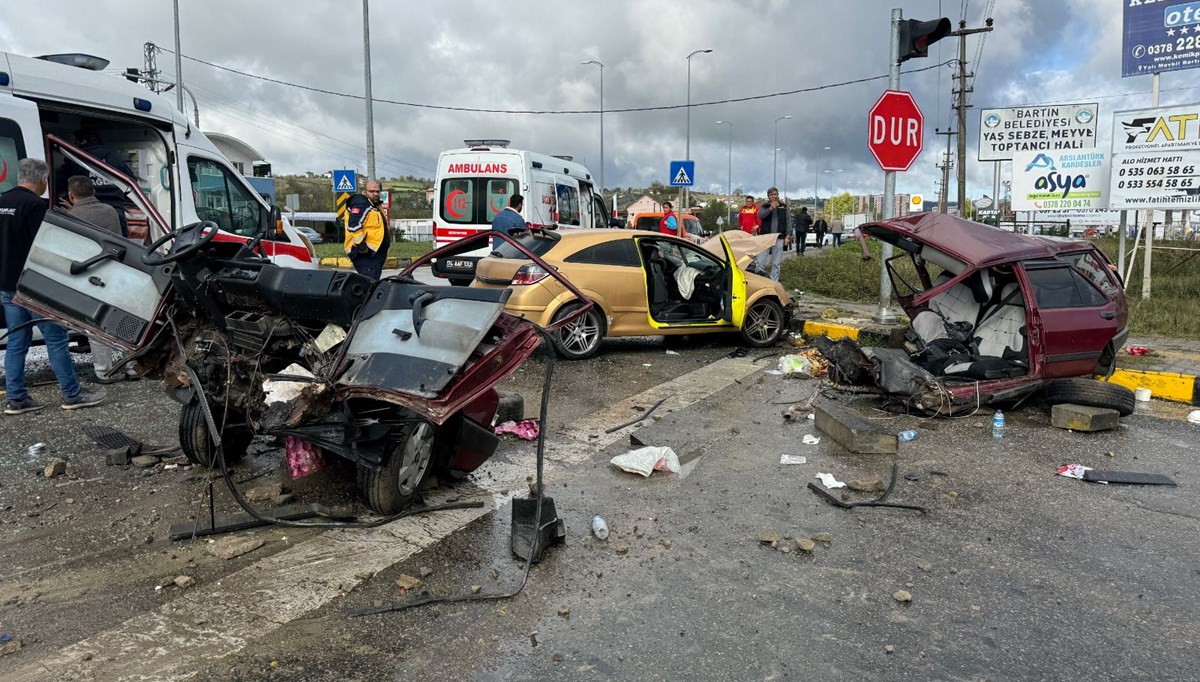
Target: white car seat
[1001,332]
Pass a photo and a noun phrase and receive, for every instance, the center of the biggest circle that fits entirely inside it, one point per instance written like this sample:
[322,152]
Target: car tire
[195,443]
[511,407]
[581,338]
[1090,392]
[764,323]
[394,486]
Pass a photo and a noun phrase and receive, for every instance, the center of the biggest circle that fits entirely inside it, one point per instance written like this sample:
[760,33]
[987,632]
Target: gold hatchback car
[643,284]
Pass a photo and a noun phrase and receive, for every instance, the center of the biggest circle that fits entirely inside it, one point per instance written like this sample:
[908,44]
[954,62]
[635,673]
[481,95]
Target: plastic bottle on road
[998,425]
[907,435]
[599,527]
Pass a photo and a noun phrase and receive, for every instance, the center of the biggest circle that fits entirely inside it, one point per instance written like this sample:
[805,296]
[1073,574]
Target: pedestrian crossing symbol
[344,181]
[683,173]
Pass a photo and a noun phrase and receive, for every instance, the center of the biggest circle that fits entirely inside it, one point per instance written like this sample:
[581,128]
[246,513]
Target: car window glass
[499,191]
[458,200]
[692,226]
[12,150]
[647,222]
[616,252]
[1063,287]
[568,205]
[539,245]
[1094,269]
[601,212]
[222,199]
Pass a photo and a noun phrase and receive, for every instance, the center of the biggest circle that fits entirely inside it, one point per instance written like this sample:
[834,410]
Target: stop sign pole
[885,315]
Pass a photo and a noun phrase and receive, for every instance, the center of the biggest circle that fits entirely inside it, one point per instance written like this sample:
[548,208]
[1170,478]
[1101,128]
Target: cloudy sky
[522,54]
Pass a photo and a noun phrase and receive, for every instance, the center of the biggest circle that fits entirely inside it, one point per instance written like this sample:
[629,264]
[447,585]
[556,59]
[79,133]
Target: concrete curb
[1178,388]
[344,263]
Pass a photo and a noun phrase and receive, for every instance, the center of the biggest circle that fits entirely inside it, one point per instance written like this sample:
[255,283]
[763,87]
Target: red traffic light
[916,36]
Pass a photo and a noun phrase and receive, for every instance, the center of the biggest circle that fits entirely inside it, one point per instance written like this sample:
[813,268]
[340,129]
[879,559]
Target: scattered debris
[1137,350]
[646,413]
[769,537]
[667,543]
[564,612]
[671,352]
[600,527]
[425,572]
[902,596]
[56,467]
[810,439]
[829,481]
[184,581]
[12,646]
[234,546]
[35,449]
[144,461]
[406,582]
[889,649]
[796,364]
[526,429]
[1073,471]
[739,352]
[476,589]
[786,549]
[1126,477]
[826,538]
[793,459]
[645,460]
[1194,417]
[1083,417]
[928,568]
[877,502]
[907,435]
[622,549]
[264,493]
[805,545]
[1142,395]
[867,485]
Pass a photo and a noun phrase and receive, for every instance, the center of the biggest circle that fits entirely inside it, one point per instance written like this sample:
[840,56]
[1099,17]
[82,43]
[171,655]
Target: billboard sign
[1054,127]
[1156,158]
[1058,181]
[1160,36]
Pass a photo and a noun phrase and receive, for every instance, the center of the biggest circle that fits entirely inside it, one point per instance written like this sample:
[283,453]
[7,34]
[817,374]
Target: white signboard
[1156,158]
[853,220]
[1055,127]
[1060,181]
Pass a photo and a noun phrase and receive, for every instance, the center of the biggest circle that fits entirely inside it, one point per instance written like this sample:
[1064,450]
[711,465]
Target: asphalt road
[1015,573]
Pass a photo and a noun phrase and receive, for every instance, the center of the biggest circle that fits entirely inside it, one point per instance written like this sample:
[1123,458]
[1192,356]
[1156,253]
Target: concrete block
[853,432]
[1083,417]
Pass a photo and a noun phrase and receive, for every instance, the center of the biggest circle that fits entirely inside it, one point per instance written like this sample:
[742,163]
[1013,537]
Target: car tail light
[529,274]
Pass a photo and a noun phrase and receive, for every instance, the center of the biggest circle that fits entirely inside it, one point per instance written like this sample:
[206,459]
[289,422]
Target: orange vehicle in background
[689,229]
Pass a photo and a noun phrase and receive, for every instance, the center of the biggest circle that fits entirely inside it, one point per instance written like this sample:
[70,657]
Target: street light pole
[593,61]
[785,168]
[729,177]
[775,163]
[831,173]
[817,182]
[178,64]
[687,154]
[367,77]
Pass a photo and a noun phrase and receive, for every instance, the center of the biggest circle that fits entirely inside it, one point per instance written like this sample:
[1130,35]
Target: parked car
[995,315]
[312,235]
[691,225]
[643,283]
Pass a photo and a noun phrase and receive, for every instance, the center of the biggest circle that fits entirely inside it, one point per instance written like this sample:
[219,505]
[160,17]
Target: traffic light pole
[885,315]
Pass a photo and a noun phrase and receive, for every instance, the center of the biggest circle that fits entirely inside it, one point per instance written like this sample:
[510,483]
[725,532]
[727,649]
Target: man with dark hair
[90,141]
[81,194]
[748,216]
[774,217]
[21,212]
[509,221]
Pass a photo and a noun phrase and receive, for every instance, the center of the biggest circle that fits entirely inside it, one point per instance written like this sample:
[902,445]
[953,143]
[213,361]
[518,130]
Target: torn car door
[87,277]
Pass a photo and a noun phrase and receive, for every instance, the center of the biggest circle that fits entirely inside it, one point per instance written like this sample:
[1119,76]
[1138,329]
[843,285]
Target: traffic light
[917,36]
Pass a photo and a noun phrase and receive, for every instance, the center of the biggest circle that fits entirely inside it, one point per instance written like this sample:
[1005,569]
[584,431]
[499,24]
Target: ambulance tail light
[530,273]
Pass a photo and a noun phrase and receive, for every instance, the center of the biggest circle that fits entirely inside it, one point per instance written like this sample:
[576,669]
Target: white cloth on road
[645,460]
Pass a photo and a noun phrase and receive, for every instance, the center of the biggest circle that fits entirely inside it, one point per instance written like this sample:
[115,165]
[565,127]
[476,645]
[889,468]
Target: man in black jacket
[804,222]
[774,217]
[21,212]
[821,227]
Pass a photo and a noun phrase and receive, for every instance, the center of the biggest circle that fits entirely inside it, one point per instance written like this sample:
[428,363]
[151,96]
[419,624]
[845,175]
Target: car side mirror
[277,219]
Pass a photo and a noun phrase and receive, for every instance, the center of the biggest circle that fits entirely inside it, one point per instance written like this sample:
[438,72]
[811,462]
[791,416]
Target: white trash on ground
[648,459]
[830,482]
[810,439]
[793,459]
[1194,417]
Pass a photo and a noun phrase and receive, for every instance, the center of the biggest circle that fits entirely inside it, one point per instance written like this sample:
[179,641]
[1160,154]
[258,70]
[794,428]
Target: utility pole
[945,166]
[962,106]
[178,63]
[150,67]
[367,77]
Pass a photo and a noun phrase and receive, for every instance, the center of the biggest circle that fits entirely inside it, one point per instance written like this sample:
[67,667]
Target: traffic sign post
[683,174]
[345,181]
[896,130]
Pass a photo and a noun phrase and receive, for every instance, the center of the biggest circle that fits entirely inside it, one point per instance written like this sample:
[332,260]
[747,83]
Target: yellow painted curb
[1180,388]
[833,331]
[390,264]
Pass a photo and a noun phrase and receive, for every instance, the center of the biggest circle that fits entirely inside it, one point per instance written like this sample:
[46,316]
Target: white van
[183,175]
[474,184]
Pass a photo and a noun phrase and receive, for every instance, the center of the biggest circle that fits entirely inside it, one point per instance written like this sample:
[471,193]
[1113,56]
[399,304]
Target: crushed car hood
[745,247]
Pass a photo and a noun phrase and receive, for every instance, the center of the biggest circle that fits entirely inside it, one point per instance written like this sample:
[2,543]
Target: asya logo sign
[1063,183]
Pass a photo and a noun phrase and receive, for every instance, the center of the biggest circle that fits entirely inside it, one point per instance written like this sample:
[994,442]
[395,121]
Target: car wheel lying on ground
[995,316]
[1090,392]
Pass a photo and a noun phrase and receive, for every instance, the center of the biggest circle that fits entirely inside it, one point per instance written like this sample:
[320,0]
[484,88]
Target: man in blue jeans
[21,212]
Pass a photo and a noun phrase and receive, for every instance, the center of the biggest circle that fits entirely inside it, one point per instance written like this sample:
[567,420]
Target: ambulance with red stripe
[475,183]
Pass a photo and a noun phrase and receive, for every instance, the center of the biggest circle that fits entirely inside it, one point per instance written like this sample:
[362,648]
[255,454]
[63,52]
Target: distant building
[872,204]
[645,204]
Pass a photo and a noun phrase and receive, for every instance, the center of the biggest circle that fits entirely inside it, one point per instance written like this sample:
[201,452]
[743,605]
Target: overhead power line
[552,112]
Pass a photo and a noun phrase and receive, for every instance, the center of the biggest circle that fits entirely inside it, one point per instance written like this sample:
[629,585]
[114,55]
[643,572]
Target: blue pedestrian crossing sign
[683,173]
[344,181]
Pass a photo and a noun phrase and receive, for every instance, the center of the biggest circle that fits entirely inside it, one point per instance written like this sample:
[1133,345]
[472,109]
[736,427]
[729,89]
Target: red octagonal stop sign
[895,130]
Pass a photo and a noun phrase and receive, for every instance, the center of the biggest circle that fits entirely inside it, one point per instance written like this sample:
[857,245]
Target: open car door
[735,297]
[88,278]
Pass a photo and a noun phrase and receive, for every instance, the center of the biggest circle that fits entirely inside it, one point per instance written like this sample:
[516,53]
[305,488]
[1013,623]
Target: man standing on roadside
[774,217]
[509,221]
[836,228]
[820,227]
[803,222]
[81,195]
[21,212]
[367,235]
[748,217]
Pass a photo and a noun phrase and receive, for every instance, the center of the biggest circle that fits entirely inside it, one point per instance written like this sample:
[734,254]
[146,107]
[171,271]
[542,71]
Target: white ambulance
[49,105]
[475,183]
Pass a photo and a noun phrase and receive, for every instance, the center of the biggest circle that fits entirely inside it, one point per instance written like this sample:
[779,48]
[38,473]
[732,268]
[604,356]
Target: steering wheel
[152,258]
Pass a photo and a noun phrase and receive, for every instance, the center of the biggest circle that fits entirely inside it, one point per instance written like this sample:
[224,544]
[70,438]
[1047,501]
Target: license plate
[460,264]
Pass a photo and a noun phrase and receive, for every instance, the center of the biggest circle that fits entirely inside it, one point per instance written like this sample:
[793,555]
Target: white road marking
[213,622]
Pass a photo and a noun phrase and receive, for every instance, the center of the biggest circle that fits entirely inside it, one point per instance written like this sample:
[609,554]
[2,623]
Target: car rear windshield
[538,244]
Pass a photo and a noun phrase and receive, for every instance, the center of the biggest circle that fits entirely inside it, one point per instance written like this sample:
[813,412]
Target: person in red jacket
[748,217]
[669,223]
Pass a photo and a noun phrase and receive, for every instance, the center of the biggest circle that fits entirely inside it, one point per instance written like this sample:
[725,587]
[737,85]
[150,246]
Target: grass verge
[399,249]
